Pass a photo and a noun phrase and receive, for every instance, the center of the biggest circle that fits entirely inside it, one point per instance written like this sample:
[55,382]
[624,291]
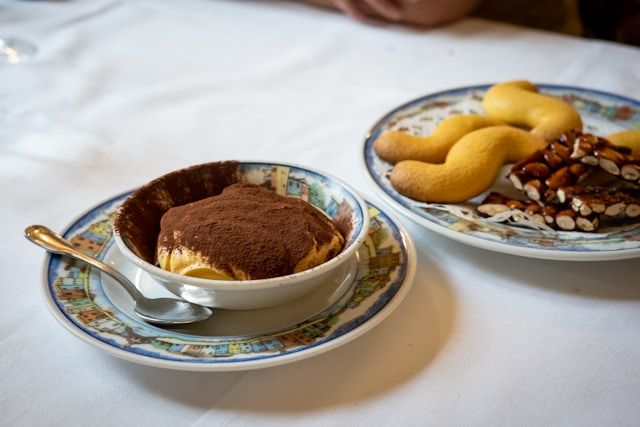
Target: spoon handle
[51,241]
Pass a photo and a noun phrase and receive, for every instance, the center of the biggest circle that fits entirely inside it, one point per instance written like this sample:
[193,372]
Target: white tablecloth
[123,91]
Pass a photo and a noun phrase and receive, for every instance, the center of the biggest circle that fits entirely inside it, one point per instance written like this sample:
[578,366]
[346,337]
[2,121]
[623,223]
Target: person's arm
[427,13]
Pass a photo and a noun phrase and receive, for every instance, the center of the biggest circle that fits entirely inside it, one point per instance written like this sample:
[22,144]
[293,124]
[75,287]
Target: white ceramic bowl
[137,225]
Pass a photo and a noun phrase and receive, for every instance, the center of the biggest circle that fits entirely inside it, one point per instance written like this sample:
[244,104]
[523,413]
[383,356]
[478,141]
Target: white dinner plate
[357,298]
[602,113]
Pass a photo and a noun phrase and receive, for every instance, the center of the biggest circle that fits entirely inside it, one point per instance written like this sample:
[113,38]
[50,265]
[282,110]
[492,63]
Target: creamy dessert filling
[246,232]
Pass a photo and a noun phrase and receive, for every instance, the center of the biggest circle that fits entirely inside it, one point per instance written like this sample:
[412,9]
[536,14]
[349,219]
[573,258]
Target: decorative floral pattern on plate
[602,113]
[74,292]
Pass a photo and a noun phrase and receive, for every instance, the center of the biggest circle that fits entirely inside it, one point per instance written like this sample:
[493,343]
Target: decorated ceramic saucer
[95,309]
[602,113]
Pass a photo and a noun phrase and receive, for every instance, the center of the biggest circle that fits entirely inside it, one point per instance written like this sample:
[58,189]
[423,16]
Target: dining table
[118,93]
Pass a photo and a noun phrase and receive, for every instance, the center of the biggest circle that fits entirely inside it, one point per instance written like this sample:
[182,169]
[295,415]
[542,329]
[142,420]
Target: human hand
[419,12]
[361,9]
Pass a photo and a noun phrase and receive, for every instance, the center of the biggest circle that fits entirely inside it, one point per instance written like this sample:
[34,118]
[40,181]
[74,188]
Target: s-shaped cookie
[518,103]
[470,167]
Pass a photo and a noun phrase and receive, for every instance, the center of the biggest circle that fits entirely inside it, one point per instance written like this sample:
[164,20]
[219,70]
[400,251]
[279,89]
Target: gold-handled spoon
[163,311]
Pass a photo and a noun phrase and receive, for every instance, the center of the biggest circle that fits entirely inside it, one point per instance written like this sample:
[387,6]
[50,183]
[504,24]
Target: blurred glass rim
[14,50]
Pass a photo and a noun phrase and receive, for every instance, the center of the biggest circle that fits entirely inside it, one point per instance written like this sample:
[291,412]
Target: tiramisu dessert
[246,232]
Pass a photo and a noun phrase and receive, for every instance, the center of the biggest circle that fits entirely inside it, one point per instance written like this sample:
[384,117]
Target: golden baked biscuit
[518,103]
[470,167]
[629,139]
[395,146]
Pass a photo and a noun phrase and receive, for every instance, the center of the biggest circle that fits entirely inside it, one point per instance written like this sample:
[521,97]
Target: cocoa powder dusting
[138,219]
[248,227]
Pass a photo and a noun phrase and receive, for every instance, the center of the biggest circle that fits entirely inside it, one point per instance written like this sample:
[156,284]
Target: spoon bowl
[161,311]
[170,311]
